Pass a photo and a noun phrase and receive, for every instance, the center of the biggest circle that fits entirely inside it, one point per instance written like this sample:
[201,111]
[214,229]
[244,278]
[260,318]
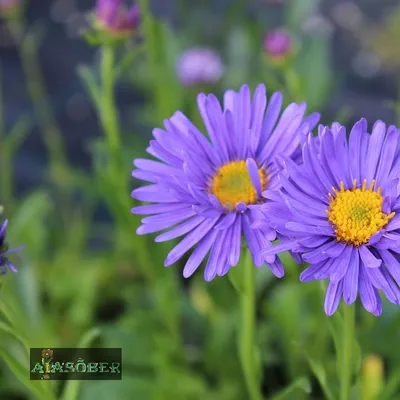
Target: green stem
[6,174]
[247,346]
[109,113]
[347,356]
[28,51]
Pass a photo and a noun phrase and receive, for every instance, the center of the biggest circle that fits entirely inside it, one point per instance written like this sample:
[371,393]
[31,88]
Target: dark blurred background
[365,84]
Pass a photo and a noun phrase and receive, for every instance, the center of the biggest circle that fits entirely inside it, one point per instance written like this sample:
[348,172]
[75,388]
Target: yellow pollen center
[232,184]
[357,213]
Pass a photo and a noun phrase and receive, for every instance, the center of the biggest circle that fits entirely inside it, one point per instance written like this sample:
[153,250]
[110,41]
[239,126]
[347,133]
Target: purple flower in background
[115,17]
[278,44]
[4,251]
[199,66]
[210,191]
[340,211]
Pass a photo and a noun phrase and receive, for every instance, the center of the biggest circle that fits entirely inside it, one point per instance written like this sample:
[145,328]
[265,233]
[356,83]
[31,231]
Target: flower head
[198,66]
[340,209]
[278,44]
[209,191]
[116,18]
[4,251]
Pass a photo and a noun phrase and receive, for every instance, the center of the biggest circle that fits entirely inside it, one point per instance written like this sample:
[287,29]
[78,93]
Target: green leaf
[240,57]
[319,372]
[293,83]
[137,387]
[92,87]
[11,331]
[39,389]
[127,60]
[301,383]
[297,11]
[316,75]
[235,276]
[27,288]
[18,134]
[336,325]
[391,387]
[71,389]
[27,224]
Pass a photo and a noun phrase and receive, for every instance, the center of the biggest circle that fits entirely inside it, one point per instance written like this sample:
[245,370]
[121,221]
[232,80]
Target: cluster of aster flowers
[331,201]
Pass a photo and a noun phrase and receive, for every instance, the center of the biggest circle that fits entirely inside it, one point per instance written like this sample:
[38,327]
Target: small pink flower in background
[278,44]
[198,66]
[9,7]
[115,17]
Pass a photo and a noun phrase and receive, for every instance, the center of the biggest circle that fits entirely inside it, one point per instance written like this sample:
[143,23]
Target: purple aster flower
[210,191]
[278,44]
[4,251]
[199,66]
[113,16]
[339,211]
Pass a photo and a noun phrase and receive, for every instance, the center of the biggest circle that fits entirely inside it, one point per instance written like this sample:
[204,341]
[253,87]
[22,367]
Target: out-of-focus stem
[109,113]
[52,136]
[6,172]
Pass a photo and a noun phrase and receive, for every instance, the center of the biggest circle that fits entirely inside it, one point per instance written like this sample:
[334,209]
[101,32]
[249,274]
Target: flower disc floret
[232,184]
[357,213]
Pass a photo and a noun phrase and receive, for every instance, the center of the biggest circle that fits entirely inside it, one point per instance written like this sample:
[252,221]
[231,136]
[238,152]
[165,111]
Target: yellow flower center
[357,213]
[232,184]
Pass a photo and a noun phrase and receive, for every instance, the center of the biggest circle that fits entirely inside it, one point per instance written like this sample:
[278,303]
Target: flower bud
[372,377]
[115,18]
[278,45]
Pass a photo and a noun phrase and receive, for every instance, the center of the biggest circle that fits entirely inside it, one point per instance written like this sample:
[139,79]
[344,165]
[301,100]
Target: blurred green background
[86,279]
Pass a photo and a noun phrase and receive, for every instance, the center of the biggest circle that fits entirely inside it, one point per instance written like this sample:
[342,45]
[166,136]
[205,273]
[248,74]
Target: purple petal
[236,240]
[359,129]
[388,153]
[340,265]
[199,254]
[277,268]
[252,169]
[156,208]
[350,281]
[392,264]
[367,293]
[308,274]
[368,259]
[226,221]
[217,257]
[278,248]
[180,230]
[332,297]
[189,241]
[374,149]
